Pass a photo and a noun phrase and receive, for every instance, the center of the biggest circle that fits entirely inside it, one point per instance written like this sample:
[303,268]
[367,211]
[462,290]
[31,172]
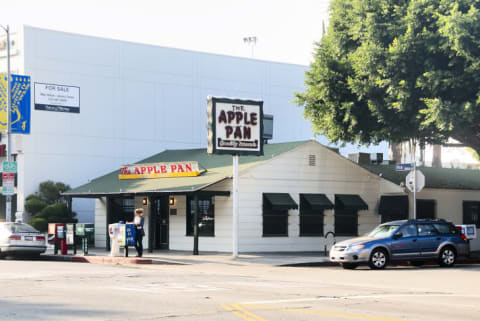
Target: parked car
[20,239]
[408,240]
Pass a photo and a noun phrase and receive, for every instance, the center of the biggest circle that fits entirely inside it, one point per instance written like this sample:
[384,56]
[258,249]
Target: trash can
[85,231]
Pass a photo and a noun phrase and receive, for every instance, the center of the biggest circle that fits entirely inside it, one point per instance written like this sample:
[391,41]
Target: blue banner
[20,102]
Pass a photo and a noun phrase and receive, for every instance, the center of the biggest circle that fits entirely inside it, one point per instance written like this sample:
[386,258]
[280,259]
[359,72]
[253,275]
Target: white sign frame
[235,126]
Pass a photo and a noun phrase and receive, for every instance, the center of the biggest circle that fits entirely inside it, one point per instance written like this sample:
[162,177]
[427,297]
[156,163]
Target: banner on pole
[20,103]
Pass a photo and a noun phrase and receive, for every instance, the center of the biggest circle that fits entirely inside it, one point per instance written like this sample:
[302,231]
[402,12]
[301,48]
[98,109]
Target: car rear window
[443,228]
[21,228]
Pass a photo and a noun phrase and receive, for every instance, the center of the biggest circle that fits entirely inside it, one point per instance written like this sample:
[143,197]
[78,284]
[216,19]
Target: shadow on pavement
[14,310]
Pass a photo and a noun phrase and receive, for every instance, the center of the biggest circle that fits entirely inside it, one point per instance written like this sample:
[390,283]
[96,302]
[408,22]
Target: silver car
[416,241]
[20,239]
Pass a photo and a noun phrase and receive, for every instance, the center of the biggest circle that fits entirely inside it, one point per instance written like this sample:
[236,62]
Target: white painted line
[356,297]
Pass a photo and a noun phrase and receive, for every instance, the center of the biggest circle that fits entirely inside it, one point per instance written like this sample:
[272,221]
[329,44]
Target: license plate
[28,238]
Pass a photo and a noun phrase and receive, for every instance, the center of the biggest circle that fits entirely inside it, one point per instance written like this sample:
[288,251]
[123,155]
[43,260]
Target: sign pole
[9,125]
[235,207]
[414,182]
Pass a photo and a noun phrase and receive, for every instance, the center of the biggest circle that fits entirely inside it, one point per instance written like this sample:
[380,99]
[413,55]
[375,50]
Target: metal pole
[235,207]
[414,182]
[195,224]
[9,115]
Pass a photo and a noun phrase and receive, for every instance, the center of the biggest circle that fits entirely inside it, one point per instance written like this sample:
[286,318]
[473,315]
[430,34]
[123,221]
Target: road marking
[333,314]
[237,306]
[356,297]
[236,312]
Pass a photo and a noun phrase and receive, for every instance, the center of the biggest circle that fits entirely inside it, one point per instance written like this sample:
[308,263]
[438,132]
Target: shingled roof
[446,178]
[218,168]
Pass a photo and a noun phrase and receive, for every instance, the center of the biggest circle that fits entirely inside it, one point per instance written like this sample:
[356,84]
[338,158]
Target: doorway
[161,223]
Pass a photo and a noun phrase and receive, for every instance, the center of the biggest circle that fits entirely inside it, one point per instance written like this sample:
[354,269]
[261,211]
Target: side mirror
[397,235]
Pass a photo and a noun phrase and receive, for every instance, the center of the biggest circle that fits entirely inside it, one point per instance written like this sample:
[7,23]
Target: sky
[286,30]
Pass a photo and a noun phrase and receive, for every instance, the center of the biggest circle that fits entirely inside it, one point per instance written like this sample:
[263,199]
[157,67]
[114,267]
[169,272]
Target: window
[408,230]
[426,209]
[311,221]
[206,216]
[445,228]
[122,209]
[471,213]
[426,230]
[346,222]
[311,213]
[346,214]
[275,213]
[393,207]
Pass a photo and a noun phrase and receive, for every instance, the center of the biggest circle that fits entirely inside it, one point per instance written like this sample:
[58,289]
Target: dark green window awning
[318,202]
[350,201]
[280,201]
[393,207]
[393,203]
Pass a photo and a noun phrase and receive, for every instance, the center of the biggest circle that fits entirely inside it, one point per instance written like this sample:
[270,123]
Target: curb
[399,263]
[95,259]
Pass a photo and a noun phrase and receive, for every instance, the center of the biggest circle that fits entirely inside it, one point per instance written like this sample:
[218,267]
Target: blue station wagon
[408,240]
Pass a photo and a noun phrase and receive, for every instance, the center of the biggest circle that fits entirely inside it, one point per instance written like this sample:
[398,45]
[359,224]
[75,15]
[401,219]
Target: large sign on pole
[20,103]
[235,126]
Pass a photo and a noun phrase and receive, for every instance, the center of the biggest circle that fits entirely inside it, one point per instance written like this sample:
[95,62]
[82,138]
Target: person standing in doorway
[138,222]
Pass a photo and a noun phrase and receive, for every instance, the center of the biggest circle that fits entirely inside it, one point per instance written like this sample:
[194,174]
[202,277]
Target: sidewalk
[100,255]
[292,259]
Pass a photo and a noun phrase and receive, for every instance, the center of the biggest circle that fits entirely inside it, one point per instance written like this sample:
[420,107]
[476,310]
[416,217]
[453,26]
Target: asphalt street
[35,290]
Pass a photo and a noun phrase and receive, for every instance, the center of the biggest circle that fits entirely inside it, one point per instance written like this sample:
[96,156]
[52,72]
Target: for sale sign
[235,126]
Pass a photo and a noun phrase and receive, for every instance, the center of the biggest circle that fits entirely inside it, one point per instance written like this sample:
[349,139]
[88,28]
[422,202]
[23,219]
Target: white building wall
[136,100]
[449,206]
[287,173]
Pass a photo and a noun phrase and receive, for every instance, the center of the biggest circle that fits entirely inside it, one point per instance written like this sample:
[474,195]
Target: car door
[429,239]
[406,246]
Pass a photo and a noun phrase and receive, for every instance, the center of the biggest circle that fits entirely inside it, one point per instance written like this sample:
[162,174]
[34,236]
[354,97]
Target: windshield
[383,231]
[21,228]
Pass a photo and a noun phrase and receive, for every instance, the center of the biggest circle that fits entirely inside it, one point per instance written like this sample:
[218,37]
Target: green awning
[318,202]
[280,201]
[350,201]
[393,207]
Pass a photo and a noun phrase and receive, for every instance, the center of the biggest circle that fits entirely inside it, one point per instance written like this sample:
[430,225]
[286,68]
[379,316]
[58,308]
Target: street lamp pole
[8,208]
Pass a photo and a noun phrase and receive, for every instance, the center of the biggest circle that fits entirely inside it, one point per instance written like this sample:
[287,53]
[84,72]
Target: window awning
[280,201]
[318,202]
[350,201]
[393,207]
[393,203]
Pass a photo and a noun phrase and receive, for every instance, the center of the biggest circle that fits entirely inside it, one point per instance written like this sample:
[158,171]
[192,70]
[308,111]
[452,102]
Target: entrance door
[161,212]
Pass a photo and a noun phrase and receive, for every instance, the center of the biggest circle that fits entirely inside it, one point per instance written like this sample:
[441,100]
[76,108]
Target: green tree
[48,206]
[397,70]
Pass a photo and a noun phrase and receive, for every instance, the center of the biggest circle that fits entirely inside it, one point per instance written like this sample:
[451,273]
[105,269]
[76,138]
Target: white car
[20,239]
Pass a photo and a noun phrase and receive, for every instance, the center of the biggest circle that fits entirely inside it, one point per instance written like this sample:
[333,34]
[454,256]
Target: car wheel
[349,266]
[378,259]
[417,263]
[447,257]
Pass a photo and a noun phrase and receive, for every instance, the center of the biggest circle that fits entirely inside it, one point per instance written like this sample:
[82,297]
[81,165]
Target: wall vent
[312,160]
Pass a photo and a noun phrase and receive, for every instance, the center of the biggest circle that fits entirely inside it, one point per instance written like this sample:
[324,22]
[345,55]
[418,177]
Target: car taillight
[14,237]
[40,238]
[463,236]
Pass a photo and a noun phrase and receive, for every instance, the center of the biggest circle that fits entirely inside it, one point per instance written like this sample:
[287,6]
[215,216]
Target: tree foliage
[397,70]
[49,206]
